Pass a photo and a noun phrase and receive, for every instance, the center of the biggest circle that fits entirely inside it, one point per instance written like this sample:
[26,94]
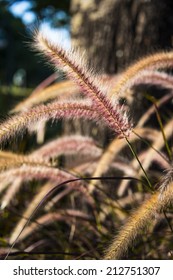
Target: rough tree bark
[115,32]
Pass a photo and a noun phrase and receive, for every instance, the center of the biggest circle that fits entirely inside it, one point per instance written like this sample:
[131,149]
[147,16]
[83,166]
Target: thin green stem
[154,101]
[140,164]
[169,224]
[151,146]
[163,133]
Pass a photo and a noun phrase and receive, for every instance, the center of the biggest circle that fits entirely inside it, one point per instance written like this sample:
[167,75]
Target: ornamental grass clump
[73,191]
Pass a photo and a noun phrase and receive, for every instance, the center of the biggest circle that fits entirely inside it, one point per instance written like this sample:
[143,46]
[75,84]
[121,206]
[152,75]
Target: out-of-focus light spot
[119,53]
[20,9]
[28,17]
[61,35]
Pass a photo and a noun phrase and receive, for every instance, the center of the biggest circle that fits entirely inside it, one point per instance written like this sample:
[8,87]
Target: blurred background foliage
[19,66]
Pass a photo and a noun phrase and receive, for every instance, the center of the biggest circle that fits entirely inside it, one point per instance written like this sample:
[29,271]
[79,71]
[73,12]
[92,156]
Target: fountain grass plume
[17,124]
[72,63]
[160,60]
[138,222]
[68,145]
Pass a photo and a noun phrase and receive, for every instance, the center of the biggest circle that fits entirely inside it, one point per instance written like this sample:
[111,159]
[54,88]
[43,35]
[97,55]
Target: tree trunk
[115,32]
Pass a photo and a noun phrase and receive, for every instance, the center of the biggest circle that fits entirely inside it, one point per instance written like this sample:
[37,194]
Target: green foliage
[14,55]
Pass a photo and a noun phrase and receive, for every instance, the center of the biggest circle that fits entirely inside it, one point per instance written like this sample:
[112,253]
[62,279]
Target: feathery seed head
[75,67]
